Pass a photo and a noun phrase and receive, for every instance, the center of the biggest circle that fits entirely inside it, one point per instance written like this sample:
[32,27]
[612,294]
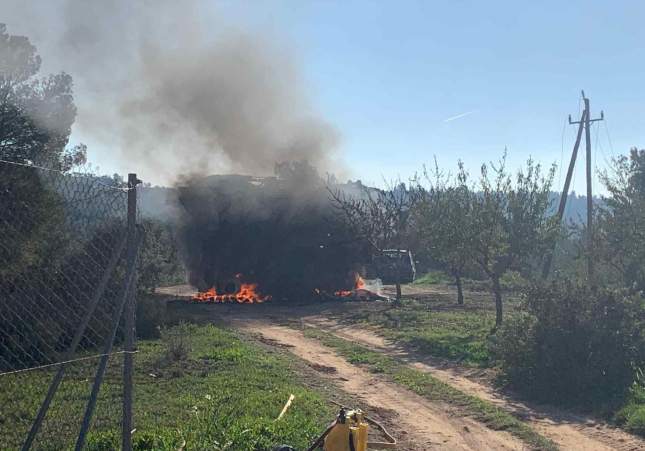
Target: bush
[632,415]
[177,340]
[575,345]
[151,316]
[513,281]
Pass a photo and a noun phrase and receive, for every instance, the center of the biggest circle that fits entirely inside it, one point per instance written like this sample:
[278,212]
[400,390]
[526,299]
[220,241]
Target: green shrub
[632,415]
[575,345]
[177,341]
[151,316]
[635,420]
[513,281]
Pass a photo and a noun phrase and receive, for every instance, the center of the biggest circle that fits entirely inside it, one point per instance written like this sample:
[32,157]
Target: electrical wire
[80,359]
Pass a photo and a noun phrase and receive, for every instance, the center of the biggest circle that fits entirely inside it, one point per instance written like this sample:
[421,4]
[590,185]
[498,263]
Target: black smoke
[280,232]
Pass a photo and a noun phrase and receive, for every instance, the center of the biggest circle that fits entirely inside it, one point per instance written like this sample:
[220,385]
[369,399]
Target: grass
[433,325]
[632,415]
[425,385]
[459,334]
[213,391]
[431,278]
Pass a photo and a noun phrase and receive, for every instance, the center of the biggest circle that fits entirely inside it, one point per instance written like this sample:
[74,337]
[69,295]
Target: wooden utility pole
[584,123]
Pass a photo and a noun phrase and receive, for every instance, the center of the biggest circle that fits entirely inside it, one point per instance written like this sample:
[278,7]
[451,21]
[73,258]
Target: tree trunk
[497,289]
[398,283]
[460,290]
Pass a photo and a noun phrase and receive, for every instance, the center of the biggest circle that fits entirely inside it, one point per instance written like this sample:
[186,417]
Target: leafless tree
[379,217]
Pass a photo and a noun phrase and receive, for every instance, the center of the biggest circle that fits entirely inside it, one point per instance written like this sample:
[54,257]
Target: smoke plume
[170,88]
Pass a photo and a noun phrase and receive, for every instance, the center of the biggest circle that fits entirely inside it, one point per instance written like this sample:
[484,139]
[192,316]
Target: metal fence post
[107,350]
[129,316]
[53,387]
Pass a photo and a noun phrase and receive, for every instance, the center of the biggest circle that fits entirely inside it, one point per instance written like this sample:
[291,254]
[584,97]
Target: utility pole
[583,124]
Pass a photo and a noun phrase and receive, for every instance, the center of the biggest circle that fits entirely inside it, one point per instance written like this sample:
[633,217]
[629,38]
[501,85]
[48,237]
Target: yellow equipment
[349,433]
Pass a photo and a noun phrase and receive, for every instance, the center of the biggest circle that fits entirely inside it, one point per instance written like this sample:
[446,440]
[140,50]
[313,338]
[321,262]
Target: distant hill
[159,202]
[576,209]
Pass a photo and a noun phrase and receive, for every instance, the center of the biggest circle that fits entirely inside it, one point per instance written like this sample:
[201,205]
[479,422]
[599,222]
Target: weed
[177,341]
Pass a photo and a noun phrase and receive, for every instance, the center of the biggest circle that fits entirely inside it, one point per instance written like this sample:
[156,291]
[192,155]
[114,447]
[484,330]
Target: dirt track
[428,426]
[424,425]
[570,432]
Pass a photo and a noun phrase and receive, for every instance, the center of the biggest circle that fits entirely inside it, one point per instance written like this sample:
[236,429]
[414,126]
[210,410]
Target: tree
[378,217]
[443,219]
[159,260]
[36,114]
[510,219]
[621,220]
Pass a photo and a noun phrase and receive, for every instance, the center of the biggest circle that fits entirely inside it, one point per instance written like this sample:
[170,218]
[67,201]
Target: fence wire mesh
[62,265]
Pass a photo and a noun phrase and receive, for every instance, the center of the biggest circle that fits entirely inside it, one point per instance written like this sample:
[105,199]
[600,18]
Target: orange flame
[248,294]
[359,283]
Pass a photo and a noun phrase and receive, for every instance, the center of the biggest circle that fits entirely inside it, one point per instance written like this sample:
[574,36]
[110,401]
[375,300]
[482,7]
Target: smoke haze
[169,87]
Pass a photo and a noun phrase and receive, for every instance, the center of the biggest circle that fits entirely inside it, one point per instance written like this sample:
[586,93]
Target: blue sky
[389,74]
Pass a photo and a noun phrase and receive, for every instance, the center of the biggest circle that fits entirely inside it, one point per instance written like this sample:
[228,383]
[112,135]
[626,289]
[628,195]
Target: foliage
[575,344]
[159,261]
[151,316]
[36,113]
[177,342]
[632,414]
[444,222]
[621,221]
[510,218]
[36,116]
[33,218]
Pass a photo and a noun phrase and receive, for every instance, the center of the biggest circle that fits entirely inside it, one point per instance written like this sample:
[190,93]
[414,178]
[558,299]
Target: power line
[611,146]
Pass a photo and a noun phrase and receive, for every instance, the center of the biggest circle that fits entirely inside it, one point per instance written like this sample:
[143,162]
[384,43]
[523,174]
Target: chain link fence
[67,259]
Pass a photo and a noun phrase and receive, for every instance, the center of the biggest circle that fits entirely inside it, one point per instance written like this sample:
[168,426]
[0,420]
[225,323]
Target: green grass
[224,393]
[425,385]
[428,328]
[431,278]
[632,415]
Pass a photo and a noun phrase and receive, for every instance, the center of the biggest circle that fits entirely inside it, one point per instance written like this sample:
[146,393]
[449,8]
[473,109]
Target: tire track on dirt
[568,431]
[429,425]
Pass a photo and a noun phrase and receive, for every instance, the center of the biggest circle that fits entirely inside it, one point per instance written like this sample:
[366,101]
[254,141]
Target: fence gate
[68,251]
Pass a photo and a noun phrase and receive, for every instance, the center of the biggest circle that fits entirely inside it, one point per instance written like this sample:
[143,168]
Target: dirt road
[427,425]
[570,432]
